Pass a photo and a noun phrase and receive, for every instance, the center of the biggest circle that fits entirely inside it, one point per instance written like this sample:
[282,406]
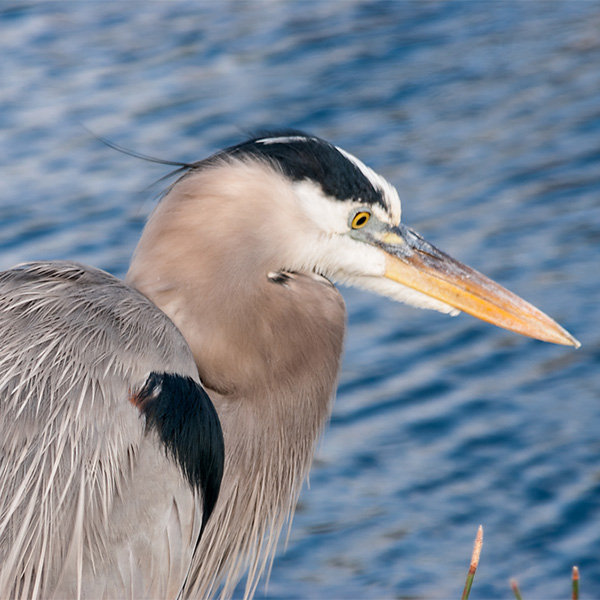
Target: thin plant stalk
[575,595]
[474,563]
[515,588]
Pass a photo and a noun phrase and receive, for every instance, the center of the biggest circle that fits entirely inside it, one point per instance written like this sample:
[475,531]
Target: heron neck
[267,349]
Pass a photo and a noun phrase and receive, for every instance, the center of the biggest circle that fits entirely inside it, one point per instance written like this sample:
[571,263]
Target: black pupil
[361,220]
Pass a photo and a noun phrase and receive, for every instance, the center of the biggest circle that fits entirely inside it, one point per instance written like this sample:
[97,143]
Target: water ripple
[486,118]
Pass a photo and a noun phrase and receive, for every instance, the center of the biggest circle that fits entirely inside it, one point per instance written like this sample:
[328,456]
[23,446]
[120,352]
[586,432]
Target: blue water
[486,116]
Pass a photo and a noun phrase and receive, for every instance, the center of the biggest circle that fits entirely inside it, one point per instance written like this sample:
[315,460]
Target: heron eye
[360,219]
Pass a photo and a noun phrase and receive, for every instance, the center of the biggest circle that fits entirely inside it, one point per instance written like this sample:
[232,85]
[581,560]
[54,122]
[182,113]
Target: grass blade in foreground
[474,563]
[575,583]
[515,588]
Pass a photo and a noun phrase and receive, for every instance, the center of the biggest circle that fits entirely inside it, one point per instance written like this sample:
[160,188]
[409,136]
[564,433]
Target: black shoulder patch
[189,427]
[305,157]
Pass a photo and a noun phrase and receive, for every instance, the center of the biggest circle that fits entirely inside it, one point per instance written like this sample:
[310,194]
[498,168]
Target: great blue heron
[126,406]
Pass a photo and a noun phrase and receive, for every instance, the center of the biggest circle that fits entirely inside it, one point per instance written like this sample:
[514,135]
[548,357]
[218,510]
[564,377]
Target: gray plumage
[229,288]
[75,458]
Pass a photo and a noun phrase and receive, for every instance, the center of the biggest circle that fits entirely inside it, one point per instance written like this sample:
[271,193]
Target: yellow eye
[360,219]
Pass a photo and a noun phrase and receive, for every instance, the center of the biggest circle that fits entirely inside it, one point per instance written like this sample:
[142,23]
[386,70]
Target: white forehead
[390,195]
[283,139]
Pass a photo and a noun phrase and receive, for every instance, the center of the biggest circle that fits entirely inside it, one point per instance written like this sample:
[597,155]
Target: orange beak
[415,263]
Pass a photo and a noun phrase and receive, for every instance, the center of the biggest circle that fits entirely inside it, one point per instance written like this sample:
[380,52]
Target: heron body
[155,433]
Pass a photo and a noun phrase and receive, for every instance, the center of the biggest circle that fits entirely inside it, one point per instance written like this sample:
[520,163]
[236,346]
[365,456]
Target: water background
[486,116]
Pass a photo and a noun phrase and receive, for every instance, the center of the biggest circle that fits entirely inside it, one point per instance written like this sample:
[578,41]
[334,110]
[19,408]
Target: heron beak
[414,262]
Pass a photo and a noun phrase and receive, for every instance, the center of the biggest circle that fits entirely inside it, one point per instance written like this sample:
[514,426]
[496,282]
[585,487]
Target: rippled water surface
[486,116]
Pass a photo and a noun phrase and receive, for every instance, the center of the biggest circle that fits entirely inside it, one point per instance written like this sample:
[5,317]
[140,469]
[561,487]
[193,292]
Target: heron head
[352,234]
[288,201]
